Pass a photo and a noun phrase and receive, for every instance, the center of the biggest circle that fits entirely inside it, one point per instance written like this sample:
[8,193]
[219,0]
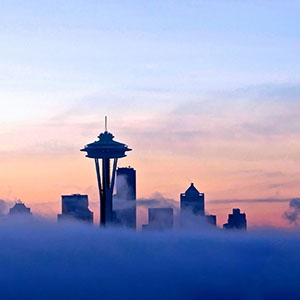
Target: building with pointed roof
[192,200]
[19,208]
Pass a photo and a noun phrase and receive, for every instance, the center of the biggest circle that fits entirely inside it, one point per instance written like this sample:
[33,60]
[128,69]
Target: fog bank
[43,260]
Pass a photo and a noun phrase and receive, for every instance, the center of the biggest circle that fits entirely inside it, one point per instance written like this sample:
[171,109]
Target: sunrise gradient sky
[203,91]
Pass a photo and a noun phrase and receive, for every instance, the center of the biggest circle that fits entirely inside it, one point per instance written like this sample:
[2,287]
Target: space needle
[107,150]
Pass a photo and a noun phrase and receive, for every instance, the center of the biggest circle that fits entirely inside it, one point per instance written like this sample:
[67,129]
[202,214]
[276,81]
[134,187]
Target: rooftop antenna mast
[105,123]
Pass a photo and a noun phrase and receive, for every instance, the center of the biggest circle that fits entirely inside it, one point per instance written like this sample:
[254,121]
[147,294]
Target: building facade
[75,207]
[124,202]
[19,208]
[192,200]
[236,220]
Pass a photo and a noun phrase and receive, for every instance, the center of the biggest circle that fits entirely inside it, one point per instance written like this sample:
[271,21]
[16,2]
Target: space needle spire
[107,150]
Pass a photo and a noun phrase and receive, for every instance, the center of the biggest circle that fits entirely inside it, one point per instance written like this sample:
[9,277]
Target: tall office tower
[106,149]
[236,220]
[124,202]
[19,208]
[192,201]
[75,207]
[126,183]
[159,218]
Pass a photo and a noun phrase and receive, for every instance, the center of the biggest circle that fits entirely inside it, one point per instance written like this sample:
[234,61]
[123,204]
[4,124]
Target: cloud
[293,214]
[157,119]
[272,91]
[246,113]
[41,260]
[157,200]
[4,206]
[267,200]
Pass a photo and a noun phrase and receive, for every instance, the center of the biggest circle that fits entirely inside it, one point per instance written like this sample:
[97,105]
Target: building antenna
[105,123]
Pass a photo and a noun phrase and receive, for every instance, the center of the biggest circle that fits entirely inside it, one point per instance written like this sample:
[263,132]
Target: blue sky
[84,46]
[142,57]
[145,58]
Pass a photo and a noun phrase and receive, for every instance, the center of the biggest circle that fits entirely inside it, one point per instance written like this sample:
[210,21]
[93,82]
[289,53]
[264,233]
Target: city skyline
[150,149]
[48,209]
[202,93]
[159,199]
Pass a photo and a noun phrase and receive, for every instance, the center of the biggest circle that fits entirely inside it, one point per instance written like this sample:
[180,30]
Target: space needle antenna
[105,123]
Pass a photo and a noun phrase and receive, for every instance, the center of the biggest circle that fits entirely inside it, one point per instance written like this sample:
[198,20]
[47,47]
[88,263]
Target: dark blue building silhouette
[108,151]
[236,220]
[19,208]
[192,200]
[75,207]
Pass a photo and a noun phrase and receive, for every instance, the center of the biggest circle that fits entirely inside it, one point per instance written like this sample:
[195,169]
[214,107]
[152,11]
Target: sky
[202,91]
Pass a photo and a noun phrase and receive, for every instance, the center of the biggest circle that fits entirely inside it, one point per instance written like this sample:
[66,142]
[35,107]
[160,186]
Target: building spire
[105,123]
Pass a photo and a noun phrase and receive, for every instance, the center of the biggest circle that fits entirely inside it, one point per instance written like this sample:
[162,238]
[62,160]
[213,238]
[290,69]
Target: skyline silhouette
[212,99]
[203,203]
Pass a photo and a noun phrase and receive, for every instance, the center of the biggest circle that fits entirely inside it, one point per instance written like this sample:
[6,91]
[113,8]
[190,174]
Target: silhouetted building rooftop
[75,207]
[192,200]
[19,208]
[236,220]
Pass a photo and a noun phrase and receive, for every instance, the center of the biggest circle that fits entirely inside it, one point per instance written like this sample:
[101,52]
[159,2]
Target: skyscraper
[124,202]
[75,207]
[106,149]
[126,183]
[236,220]
[192,201]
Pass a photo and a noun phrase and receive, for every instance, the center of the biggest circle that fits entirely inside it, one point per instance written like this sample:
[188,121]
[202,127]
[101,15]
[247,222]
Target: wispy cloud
[4,206]
[229,201]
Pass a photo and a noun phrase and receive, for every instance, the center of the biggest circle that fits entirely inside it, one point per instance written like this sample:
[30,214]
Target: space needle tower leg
[108,188]
[102,203]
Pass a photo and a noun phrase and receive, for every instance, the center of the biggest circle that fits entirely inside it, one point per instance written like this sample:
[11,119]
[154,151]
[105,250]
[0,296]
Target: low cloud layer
[5,205]
[158,200]
[41,260]
[293,213]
